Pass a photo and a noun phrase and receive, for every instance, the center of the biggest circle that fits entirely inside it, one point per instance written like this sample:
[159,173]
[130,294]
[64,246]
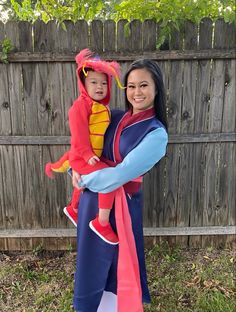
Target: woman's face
[140,90]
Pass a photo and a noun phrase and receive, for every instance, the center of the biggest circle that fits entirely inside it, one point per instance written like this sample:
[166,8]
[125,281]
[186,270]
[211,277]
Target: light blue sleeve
[137,162]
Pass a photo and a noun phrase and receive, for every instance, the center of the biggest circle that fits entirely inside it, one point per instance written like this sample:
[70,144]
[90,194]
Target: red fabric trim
[128,120]
[128,275]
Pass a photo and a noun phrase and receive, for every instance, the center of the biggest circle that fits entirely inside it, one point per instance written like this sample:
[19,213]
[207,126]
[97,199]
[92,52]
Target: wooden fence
[189,197]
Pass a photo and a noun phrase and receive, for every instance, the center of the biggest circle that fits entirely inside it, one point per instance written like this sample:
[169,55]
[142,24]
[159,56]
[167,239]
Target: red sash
[129,292]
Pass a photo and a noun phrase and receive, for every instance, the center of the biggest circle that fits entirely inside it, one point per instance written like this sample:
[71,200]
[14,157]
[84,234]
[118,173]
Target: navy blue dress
[96,266]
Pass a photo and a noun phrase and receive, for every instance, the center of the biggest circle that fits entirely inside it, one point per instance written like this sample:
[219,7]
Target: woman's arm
[140,160]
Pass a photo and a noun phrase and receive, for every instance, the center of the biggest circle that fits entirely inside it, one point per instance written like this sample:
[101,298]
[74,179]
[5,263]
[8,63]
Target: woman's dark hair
[160,98]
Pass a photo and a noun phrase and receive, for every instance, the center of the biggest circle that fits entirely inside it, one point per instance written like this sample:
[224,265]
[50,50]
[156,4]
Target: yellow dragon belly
[98,122]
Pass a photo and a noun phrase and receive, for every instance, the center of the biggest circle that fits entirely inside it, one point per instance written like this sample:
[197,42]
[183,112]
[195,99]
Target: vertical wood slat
[96,31]
[55,83]
[213,154]
[12,33]
[3,244]
[109,36]
[81,35]
[174,97]
[5,115]
[2,35]
[187,125]
[227,170]
[10,208]
[3,222]
[159,180]
[28,217]
[5,118]
[24,32]
[123,45]
[200,126]
[10,186]
[70,89]
[136,34]
[62,103]
[123,36]
[149,35]
[66,38]
[144,38]
[38,116]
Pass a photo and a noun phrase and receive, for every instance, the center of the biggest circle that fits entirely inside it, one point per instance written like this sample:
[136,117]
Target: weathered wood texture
[193,186]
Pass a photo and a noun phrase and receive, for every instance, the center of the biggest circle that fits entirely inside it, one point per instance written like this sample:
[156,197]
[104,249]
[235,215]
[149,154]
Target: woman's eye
[143,85]
[130,87]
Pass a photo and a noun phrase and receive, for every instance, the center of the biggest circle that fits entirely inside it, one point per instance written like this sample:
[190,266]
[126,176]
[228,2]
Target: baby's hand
[93,160]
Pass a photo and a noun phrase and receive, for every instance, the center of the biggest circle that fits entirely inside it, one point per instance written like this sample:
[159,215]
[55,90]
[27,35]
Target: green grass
[179,280]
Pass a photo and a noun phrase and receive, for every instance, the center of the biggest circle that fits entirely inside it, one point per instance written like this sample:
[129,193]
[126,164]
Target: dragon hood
[85,59]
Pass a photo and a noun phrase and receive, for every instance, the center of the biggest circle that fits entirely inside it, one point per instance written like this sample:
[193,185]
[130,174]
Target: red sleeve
[79,127]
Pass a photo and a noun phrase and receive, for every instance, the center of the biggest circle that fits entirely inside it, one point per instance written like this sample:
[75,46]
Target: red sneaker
[106,232]
[72,214]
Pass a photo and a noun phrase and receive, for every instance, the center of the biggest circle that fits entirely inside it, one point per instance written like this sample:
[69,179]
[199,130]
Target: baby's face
[96,85]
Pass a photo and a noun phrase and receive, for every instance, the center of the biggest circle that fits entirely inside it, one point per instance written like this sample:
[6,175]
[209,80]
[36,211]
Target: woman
[108,277]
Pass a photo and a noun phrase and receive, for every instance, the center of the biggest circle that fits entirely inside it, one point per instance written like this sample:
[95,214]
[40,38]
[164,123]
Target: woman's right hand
[76,180]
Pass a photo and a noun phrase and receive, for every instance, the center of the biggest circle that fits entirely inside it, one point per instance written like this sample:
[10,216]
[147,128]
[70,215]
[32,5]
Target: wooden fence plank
[148,231]
[12,33]
[2,202]
[41,111]
[227,169]
[149,35]
[120,56]
[157,182]
[3,244]
[96,31]
[123,44]
[123,36]
[136,34]
[226,211]
[31,201]
[9,185]
[65,140]
[81,35]
[109,36]
[1,34]
[174,98]
[5,121]
[200,126]
[187,125]
[224,35]
[24,33]
[63,103]
[65,43]
[56,193]
[216,104]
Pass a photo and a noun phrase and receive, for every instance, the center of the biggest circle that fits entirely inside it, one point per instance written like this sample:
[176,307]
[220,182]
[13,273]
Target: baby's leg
[71,210]
[101,225]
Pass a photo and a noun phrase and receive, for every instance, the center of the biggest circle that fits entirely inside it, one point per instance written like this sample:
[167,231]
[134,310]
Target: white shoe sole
[98,234]
[69,217]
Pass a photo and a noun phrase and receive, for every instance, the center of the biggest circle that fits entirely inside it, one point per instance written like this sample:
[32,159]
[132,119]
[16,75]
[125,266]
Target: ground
[179,280]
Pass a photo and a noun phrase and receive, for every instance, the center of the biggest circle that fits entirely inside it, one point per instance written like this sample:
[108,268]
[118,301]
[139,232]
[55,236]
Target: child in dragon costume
[89,118]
